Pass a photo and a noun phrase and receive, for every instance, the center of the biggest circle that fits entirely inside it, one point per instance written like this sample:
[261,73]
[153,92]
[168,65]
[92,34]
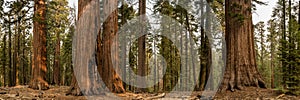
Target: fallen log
[3,92]
[3,89]
[156,97]
[280,96]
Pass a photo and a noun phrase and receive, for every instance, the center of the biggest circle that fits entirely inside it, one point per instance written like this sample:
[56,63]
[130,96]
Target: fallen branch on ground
[280,96]
[156,97]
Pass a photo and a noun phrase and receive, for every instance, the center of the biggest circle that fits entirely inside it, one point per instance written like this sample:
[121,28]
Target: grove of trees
[37,42]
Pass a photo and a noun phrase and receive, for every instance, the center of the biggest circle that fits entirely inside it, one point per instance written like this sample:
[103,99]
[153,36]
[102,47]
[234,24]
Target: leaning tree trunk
[39,67]
[241,69]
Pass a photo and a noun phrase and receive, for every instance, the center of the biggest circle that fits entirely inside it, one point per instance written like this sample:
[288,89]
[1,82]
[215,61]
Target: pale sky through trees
[263,12]
[152,49]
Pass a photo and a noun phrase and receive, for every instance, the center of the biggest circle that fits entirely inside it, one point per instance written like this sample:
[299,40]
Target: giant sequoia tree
[110,28]
[241,69]
[39,67]
[83,79]
[89,84]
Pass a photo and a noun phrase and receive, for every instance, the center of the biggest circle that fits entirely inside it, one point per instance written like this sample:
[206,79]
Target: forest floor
[59,93]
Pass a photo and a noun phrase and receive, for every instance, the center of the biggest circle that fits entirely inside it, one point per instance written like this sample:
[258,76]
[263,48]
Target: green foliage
[259,2]
[1,8]
[183,19]
[66,57]
[16,23]
[286,62]
[59,22]
[126,12]
[261,51]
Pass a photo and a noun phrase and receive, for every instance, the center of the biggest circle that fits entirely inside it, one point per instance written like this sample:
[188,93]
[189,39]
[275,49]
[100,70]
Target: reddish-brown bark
[39,67]
[82,72]
[110,27]
[103,54]
[241,69]
[142,45]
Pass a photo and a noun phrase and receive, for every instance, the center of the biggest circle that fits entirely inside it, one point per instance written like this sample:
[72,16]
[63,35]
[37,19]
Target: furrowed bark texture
[241,69]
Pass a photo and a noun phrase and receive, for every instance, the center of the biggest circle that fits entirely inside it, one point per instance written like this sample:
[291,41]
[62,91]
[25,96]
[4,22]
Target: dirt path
[59,93]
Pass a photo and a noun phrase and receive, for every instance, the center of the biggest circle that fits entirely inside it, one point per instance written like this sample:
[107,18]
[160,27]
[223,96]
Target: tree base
[37,84]
[118,85]
[75,91]
[233,86]
[94,89]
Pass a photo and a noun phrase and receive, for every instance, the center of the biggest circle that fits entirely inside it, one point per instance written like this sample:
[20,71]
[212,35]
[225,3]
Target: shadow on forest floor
[59,93]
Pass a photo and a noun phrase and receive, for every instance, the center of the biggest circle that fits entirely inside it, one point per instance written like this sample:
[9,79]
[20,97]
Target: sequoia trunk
[83,78]
[39,67]
[241,69]
[110,27]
